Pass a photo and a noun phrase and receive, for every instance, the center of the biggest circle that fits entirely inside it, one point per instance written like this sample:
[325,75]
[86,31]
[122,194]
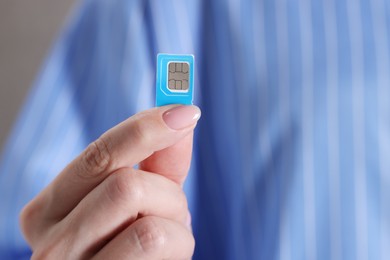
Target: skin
[100,207]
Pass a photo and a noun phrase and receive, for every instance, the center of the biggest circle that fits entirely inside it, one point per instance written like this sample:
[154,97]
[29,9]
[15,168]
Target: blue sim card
[175,79]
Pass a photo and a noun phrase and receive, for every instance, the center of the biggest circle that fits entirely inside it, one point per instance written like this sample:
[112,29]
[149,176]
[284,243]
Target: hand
[100,206]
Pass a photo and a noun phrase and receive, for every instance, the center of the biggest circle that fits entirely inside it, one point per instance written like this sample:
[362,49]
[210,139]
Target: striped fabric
[292,152]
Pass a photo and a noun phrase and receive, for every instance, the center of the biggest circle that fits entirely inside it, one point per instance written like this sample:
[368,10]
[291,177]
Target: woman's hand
[101,206]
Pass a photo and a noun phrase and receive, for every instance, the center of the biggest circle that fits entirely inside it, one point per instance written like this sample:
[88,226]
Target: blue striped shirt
[291,154]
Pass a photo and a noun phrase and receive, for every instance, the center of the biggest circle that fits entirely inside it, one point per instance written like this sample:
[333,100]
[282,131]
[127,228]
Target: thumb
[174,161]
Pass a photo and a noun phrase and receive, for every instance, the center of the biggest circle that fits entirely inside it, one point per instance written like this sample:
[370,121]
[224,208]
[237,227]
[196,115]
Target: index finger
[125,145]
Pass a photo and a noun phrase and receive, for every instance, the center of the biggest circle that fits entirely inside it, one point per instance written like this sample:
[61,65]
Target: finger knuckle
[96,158]
[141,131]
[25,217]
[191,245]
[182,202]
[28,219]
[126,186]
[151,238]
[46,240]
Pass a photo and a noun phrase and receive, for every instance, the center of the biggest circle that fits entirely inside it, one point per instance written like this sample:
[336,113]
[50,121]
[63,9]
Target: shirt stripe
[333,136]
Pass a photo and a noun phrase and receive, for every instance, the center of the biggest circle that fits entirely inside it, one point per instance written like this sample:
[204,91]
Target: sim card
[175,79]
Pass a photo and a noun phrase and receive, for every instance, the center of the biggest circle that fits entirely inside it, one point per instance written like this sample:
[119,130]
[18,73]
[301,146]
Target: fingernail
[181,116]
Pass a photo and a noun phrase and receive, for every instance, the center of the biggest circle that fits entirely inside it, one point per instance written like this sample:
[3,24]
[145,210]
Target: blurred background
[27,31]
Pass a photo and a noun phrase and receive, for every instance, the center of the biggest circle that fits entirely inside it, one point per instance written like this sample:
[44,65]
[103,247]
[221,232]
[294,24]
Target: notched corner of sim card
[174,79]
